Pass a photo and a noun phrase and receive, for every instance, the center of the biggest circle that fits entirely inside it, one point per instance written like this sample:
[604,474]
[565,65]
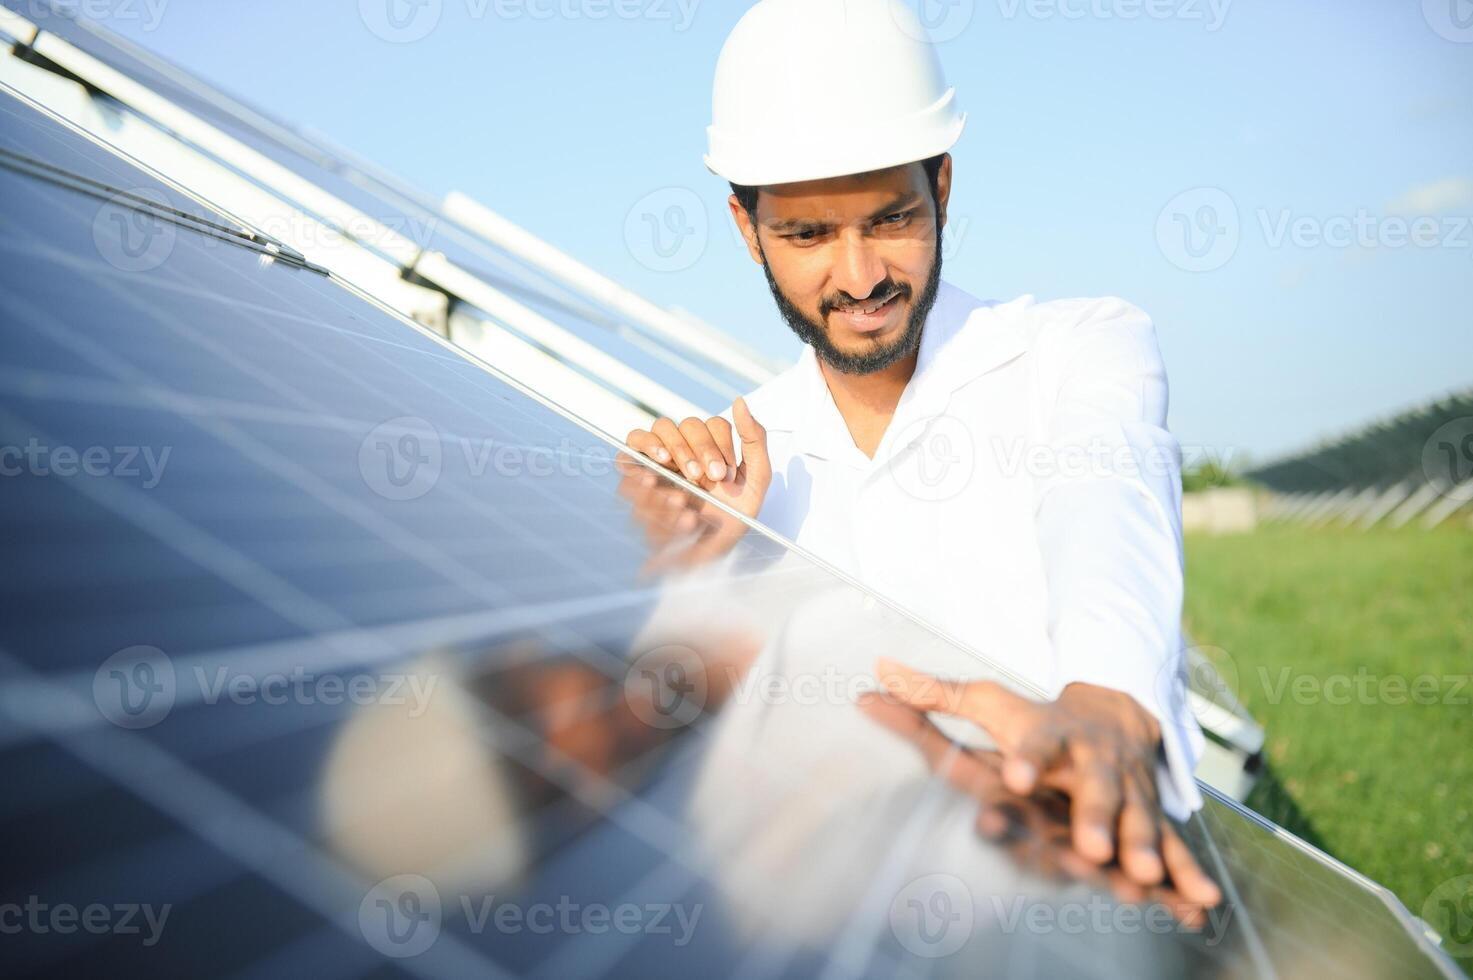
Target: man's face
[853,262]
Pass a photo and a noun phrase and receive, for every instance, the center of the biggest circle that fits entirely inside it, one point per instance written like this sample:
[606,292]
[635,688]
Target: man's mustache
[827,304]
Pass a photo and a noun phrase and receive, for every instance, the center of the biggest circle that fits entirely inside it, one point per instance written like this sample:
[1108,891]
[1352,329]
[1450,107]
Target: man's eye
[805,235]
[898,218]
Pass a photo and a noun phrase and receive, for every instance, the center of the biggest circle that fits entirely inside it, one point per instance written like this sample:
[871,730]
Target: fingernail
[993,824]
[1021,774]
[663,455]
[716,471]
[693,470]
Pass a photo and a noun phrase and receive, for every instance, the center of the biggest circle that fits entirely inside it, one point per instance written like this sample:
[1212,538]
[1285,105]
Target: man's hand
[1096,745]
[704,453]
[1033,828]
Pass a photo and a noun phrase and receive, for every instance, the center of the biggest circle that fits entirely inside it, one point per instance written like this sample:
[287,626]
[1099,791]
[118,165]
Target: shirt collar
[963,339]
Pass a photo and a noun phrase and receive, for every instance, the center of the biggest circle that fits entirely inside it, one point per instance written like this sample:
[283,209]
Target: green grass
[1387,788]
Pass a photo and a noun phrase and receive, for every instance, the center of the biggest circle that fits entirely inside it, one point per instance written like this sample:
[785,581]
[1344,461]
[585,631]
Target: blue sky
[1307,135]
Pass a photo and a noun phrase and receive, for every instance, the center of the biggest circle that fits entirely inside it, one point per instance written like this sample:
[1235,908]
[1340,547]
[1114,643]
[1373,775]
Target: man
[1002,469]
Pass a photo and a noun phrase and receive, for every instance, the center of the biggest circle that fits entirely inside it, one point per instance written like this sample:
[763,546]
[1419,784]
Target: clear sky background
[1290,122]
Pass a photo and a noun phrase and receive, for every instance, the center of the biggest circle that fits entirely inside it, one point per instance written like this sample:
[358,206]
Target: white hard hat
[809,89]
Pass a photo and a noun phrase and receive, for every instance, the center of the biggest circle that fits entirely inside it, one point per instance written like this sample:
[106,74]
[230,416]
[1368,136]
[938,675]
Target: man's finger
[1140,839]
[1095,809]
[982,702]
[637,482]
[682,460]
[973,772]
[703,448]
[754,445]
[1029,754]
[643,441]
[719,534]
[1186,874]
[661,521]
[721,433]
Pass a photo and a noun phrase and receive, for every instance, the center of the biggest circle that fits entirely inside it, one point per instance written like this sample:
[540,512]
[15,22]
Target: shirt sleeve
[1109,525]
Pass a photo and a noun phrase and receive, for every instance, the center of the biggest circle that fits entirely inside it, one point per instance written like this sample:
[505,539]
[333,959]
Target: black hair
[746,194]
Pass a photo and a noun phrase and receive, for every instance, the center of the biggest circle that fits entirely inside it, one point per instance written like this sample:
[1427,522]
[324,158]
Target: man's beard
[877,358]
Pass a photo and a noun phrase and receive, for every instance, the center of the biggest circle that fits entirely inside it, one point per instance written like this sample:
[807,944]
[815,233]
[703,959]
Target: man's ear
[746,226]
[943,188]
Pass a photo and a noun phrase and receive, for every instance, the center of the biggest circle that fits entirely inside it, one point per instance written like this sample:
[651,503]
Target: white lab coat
[1025,498]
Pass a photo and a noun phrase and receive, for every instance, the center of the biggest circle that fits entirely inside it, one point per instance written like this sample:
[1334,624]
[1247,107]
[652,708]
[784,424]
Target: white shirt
[1025,498]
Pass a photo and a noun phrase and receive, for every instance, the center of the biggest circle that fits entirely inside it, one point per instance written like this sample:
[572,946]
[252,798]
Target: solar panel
[328,649]
[703,382]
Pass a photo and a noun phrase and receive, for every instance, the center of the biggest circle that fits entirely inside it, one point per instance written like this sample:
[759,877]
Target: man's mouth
[870,314]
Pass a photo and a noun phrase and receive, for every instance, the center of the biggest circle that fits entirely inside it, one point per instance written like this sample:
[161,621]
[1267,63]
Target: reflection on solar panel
[328,650]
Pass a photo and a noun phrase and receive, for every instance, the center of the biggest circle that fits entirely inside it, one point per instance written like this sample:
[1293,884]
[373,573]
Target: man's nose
[857,265]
